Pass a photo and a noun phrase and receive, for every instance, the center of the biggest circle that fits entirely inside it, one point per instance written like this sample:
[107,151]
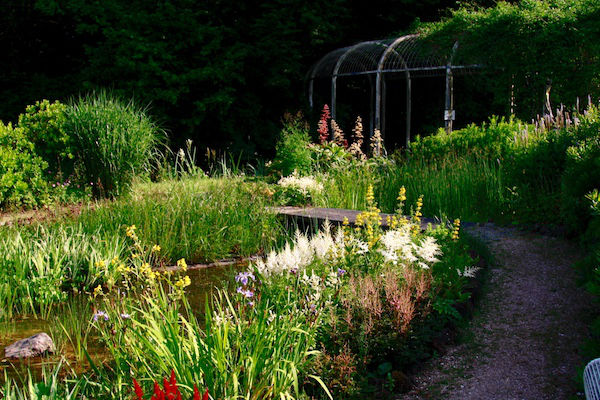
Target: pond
[69,325]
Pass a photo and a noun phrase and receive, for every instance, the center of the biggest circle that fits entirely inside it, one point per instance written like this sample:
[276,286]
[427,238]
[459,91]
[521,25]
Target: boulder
[33,346]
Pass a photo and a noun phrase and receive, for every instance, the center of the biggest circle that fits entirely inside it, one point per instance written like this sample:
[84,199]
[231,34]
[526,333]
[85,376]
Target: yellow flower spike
[182,264]
[456,229]
[156,248]
[402,194]
[98,291]
[100,264]
[130,231]
[346,222]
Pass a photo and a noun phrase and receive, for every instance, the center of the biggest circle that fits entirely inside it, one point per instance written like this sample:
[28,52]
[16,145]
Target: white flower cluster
[399,246]
[468,272]
[296,257]
[304,184]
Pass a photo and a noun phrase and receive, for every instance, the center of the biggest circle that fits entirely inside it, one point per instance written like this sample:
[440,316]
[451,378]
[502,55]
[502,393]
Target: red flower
[138,390]
[323,129]
[170,390]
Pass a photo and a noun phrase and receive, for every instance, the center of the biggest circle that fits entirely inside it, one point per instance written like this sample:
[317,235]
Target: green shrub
[582,172]
[21,170]
[44,124]
[114,140]
[293,152]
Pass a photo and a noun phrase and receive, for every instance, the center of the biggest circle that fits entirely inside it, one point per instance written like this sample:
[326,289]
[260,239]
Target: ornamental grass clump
[115,141]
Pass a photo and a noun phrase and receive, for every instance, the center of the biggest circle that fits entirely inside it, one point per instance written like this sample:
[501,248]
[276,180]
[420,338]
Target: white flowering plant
[296,190]
[373,293]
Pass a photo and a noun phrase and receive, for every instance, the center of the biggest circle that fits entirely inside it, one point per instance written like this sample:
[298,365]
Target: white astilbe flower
[428,250]
[398,245]
[469,272]
[304,184]
[358,245]
[294,258]
[314,284]
[333,279]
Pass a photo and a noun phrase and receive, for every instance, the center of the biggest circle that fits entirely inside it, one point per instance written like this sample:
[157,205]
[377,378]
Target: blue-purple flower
[100,314]
[125,316]
[245,292]
[244,277]
[341,271]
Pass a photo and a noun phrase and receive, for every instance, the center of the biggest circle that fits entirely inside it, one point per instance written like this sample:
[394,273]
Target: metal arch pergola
[409,55]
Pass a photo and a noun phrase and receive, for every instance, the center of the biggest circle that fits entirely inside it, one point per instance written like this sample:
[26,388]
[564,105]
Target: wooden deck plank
[335,215]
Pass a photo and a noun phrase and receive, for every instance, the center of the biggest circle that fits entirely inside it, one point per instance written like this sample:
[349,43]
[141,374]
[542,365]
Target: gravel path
[523,343]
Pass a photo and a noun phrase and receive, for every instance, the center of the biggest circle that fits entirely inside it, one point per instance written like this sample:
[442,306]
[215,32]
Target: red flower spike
[205,397]
[173,381]
[138,390]
[196,393]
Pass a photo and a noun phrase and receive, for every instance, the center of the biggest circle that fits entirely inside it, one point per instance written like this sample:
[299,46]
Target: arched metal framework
[408,55]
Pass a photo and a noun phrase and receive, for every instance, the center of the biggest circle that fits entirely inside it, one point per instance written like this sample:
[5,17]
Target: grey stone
[33,346]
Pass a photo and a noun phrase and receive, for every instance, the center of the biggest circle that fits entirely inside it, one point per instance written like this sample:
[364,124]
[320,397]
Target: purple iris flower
[341,271]
[245,292]
[244,277]
[100,314]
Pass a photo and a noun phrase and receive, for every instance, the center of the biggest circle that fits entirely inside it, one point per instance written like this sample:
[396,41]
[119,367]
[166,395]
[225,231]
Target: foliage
[529,46]
[240,352]
[293,153]
[200,219]
[582,171]
[40,267]
[386,293]
[298,191]
[115,141]
[21,170]
[44,124]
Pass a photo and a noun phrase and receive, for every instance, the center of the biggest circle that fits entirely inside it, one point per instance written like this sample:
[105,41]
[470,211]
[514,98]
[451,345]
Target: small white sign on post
[449,115]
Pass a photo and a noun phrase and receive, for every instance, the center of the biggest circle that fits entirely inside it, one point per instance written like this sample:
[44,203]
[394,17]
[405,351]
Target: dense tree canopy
[221,72]
[532,46]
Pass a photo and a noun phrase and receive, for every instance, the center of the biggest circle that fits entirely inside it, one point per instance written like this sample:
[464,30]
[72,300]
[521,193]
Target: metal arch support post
[311,86]
[379,89]
[408,107]
[449,103]
[371,103]
[333,96]
[449,99]
[334,78]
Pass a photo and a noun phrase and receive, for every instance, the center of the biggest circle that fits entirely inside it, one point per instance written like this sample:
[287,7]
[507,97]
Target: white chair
[591,380]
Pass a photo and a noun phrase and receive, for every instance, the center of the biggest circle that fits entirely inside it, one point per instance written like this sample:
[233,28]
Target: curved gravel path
[524,341]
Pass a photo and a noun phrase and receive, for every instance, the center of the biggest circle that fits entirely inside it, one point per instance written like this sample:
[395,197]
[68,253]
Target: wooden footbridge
[315,216]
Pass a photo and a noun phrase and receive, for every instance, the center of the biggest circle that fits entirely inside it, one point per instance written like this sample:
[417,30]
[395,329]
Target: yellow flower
[456,229]
[131,231]
[402,194]
[100,264]
[98,291]
[183,282]
[135,255]
[155,248]
[115,260]
[182,264]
